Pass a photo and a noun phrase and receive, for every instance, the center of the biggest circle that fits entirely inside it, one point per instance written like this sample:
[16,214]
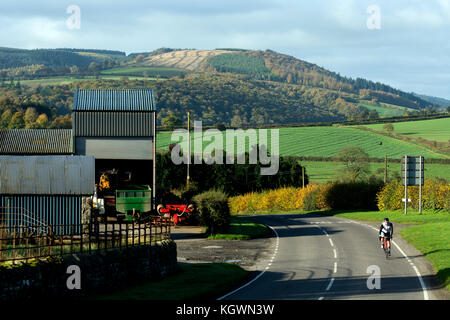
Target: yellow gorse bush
[435,195]
[283,199]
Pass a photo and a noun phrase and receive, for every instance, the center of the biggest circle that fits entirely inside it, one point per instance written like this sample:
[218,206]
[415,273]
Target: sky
[405,44]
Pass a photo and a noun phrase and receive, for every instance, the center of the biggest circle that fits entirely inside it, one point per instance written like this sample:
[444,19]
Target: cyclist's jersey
[386,230]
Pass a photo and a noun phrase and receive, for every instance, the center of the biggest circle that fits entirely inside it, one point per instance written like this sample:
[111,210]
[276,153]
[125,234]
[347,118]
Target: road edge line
[259,275]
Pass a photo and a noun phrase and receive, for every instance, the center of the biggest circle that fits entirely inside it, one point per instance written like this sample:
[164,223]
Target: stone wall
[100,272]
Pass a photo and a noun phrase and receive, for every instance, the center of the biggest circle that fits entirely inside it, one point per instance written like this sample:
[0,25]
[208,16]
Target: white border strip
[260,274]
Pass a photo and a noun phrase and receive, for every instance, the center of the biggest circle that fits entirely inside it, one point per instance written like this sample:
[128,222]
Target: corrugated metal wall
[43,210]
[47,175]
[112,124]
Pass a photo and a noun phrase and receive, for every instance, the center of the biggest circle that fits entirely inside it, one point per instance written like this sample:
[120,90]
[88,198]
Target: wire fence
[21,242]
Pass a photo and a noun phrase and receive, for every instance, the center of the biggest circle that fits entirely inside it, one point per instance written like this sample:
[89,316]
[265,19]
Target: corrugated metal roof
[42,175]
[114,100]
[36,141]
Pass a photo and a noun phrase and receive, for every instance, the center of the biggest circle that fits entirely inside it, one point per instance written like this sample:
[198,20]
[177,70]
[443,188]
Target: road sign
[413,171]
[412,175]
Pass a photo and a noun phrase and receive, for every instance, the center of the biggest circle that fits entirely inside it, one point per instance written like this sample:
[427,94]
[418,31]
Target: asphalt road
[319,257]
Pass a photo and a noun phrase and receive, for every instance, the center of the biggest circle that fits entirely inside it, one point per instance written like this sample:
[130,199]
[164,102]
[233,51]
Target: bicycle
[387,247]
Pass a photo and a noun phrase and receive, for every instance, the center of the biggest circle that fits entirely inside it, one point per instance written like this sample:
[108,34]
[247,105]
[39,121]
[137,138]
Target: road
[319,257]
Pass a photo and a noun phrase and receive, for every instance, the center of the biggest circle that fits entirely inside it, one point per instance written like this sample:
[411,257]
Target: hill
[435,100]
[272,66]
[236,87]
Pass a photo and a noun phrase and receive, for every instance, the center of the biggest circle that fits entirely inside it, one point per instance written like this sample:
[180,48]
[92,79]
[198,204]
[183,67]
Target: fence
[24,241]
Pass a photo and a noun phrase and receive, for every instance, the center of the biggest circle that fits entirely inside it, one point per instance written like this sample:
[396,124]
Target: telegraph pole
[188,178]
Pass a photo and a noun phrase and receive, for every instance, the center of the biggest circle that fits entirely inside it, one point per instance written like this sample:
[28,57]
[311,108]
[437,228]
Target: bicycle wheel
[386,250]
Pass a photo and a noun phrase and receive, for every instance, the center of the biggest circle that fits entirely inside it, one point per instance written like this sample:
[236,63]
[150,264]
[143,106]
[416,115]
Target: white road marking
[330,284]
[255,278]
[331,242]
[335,253]
[335,267]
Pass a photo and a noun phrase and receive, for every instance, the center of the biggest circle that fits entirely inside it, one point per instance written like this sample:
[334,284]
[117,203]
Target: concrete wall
[100,272]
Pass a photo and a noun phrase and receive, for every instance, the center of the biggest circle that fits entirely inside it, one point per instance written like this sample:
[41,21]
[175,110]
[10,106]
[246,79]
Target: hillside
[272,66]
[235,87]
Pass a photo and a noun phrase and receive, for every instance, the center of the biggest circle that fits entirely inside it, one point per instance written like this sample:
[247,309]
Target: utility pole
[188,178]
[303,176]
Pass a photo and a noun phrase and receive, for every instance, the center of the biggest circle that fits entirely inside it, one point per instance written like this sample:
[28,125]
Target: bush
[185,193]
[435,195]
[214,212]
[310,200]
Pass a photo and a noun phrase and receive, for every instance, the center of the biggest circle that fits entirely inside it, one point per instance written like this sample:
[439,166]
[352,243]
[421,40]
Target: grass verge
[205,281]
[242,229]
[433,241]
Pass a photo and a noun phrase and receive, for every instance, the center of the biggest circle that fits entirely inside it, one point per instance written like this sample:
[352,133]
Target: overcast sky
[401,43]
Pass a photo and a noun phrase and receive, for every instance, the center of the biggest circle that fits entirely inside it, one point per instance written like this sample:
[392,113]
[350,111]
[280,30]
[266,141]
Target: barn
[47,172]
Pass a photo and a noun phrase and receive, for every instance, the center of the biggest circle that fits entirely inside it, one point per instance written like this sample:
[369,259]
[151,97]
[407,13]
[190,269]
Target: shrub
[435,195]
[214,210]
[310,200]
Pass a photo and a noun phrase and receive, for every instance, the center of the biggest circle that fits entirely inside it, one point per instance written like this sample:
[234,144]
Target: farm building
[118,128]
[44,190]
[49,171]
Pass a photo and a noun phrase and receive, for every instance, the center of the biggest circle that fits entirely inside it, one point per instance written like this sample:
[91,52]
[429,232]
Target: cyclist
[386,231]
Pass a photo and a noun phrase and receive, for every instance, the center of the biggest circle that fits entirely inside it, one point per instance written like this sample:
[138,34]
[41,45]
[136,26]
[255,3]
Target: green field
[323,171]
[384,112]
[434,129]
[328,141]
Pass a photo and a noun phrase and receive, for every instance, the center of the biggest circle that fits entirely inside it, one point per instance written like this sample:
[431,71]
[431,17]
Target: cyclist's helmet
[386,219]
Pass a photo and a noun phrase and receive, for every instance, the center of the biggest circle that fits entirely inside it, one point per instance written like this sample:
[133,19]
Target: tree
[388,127]
[17,121]
[42,121]
[30,117]
[356,163]
[171,121]
[373,114]
[6,118]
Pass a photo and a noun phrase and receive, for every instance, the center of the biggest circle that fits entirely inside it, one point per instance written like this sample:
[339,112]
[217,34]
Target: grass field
[434,129]
[216,279]
[323,171]
[384,112]
[328,141]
